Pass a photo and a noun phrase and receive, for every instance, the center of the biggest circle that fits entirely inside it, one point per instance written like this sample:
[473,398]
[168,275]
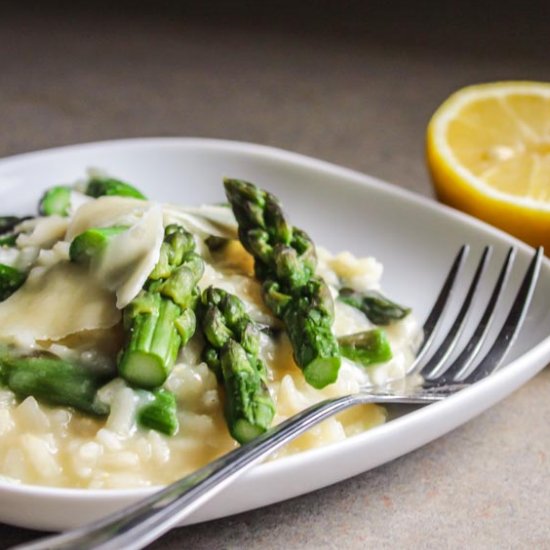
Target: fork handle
[141,523]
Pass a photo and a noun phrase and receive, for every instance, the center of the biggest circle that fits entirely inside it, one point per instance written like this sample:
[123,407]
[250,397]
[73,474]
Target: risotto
[79,314]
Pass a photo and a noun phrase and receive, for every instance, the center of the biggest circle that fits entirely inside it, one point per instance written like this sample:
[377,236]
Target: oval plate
[413,237]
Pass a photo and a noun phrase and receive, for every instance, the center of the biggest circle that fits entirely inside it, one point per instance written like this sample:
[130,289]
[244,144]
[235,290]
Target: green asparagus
[54,381]
[153,341]
[366,348]
[106,186]
[159,412]
[56,201]
[160,320]
[92,242]
[10,280]
[378,309]
[8,240]
[285,262]
[232,348]
[58,382]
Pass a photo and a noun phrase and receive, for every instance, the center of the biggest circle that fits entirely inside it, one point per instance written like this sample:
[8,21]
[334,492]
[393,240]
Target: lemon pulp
[488,151]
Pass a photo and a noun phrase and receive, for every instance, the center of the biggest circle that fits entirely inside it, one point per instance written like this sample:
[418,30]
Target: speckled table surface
[352,98]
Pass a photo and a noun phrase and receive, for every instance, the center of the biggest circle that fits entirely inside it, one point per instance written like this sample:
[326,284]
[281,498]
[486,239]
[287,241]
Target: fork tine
[433,367]
[510,329]
[463,362]
[436,314]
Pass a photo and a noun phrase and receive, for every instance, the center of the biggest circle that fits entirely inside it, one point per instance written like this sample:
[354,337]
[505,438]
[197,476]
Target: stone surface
[359,99]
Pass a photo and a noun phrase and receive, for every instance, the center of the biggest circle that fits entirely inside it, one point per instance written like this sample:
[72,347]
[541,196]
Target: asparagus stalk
[159,412]
[378,309]
[285,262]
[106,186]
[10,280]
[55,201]
[92,242]
[366,348]
[160,320]
[53,381]
[249,409]
[8,240]
[232,348]
[153,341]
[63,383]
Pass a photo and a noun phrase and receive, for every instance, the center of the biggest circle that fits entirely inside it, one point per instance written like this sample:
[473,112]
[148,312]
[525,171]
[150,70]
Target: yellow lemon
[488,151]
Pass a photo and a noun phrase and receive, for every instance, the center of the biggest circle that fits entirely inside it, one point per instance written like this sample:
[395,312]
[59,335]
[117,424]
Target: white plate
[413,237]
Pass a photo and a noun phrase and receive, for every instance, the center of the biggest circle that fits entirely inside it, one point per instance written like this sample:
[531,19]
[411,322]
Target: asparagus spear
[232,352]
[106,186]
[55,201]
[53,381]
[366,348]
[285,262]
[58,382]
[152,342]
[8,240]
[249,409]
[92,242]
[378,309]
[161,318]
[10,280]
[159,412]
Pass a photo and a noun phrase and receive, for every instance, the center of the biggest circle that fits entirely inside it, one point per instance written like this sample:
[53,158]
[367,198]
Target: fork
[427,381]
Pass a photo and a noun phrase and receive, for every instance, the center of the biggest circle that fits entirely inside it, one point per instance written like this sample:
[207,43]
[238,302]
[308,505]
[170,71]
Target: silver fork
[139,524]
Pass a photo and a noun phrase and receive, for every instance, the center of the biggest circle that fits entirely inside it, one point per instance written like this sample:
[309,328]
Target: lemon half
[488,151]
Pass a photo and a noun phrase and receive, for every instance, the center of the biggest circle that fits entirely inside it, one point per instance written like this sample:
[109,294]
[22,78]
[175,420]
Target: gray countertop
[353,98]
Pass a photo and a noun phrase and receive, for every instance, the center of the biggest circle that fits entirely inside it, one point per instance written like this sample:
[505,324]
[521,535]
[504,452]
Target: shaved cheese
[204,220]
[42,232]
[55,303]
[105,212]
[59,252]
[131,256]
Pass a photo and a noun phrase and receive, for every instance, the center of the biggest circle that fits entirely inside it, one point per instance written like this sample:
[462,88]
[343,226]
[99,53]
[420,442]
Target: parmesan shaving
[105,212]
[204,220]
[131,256]
[42,232]
[55,303]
